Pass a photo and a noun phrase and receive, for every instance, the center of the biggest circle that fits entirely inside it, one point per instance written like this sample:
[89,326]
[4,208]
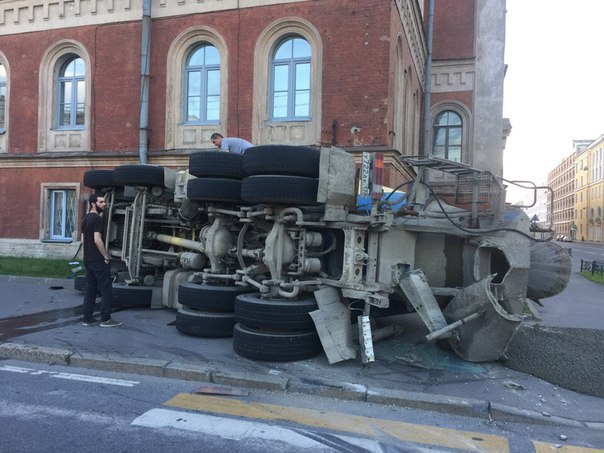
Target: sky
[554,84]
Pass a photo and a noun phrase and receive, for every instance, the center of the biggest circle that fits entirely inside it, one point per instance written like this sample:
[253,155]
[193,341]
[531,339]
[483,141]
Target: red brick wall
[114,51]
[453,29]
[465,97]
[355,75]
[21,215]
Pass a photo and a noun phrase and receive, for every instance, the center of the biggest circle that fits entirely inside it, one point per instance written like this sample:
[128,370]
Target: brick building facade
[70,90]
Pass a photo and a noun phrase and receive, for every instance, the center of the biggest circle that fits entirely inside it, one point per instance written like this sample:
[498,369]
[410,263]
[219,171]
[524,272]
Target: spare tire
[273,346]
[216,164]
[212,298]
[99,178]
[214,189]
[282,160]
[291,190]
[286,315]
[203,324]
[139,175]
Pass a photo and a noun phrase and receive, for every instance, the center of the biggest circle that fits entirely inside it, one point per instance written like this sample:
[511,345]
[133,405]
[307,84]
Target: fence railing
[595,267]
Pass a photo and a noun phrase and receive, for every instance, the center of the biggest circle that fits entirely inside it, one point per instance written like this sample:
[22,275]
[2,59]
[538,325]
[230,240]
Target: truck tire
[213,298]
[216,164]
[131,296]
[214,189]
[204,324]
[276,189]
[99,178]
[275,347]
[139,175]
[275,314]
[79,283]
[282,160]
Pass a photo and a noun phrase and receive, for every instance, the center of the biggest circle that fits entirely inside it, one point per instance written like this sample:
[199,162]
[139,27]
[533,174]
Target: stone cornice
[24,16]
[452,75]
[89,160]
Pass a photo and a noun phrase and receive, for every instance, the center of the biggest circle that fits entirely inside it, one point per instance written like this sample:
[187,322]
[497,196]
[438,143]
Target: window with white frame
[448,136]
[59,211]
[71,91]
[2,97]
[289,98]
[202,85]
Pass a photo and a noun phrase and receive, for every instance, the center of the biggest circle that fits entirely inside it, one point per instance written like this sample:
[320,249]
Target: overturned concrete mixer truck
[290,252]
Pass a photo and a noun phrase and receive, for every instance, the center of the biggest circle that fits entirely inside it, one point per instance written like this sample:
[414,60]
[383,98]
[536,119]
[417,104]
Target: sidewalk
[39,321]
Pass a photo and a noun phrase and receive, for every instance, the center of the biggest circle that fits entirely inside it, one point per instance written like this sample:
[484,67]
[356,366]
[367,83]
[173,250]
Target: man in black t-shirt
[96,262]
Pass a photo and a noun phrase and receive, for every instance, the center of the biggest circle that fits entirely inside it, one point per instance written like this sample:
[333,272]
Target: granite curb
[469,407]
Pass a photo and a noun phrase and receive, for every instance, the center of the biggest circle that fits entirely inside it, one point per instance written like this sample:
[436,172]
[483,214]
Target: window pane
[65,104]
[193,108]
[455,136]
[453,119]
[284,50]
[70,213]
[196,57]
[439,137]
[66,92]
[281,79]
[441,119]
[439,151]
[213,96]
[79,67]
[2,74]
[302,107]
[194,83]
[454,153]
[213,108]
[2,106]
[301,48]
[212,56]
[80,116]
[213,83]
[81,91]
[303,76]
[56,226]
[68,69]
[280,105]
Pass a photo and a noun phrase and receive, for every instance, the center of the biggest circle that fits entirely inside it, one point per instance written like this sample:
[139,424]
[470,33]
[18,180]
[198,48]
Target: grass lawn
[35,267]
[598,278]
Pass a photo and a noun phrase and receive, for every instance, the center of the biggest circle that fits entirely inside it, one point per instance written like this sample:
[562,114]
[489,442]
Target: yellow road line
[365,426]
[542,447]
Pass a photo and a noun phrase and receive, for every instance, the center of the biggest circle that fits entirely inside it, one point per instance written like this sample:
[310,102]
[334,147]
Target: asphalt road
[68,409]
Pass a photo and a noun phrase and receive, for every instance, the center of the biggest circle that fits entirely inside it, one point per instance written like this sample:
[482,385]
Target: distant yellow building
[589,200]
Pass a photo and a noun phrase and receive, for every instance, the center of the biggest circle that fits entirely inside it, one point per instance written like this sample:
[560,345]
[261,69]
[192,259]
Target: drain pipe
[144,95]
[427,149]
[420,192]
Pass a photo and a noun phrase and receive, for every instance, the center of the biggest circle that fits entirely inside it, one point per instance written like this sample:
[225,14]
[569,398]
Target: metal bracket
[365,339]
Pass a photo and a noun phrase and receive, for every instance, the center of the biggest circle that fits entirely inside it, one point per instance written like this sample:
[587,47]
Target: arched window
[448,134]
[71,89]
[290,80]
[202,85]
[2,97]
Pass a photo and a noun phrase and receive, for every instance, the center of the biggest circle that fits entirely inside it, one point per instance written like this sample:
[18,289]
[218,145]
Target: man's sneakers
[90,322]
[111,323]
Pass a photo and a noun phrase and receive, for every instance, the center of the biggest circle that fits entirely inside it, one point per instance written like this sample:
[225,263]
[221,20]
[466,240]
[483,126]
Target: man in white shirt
[230,144]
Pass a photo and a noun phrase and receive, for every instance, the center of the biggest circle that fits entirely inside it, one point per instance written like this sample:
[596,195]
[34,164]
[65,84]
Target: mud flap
[332,321]
[486,337]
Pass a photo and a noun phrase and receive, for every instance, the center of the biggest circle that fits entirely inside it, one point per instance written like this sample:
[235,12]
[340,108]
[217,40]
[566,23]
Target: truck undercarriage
[274,248]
